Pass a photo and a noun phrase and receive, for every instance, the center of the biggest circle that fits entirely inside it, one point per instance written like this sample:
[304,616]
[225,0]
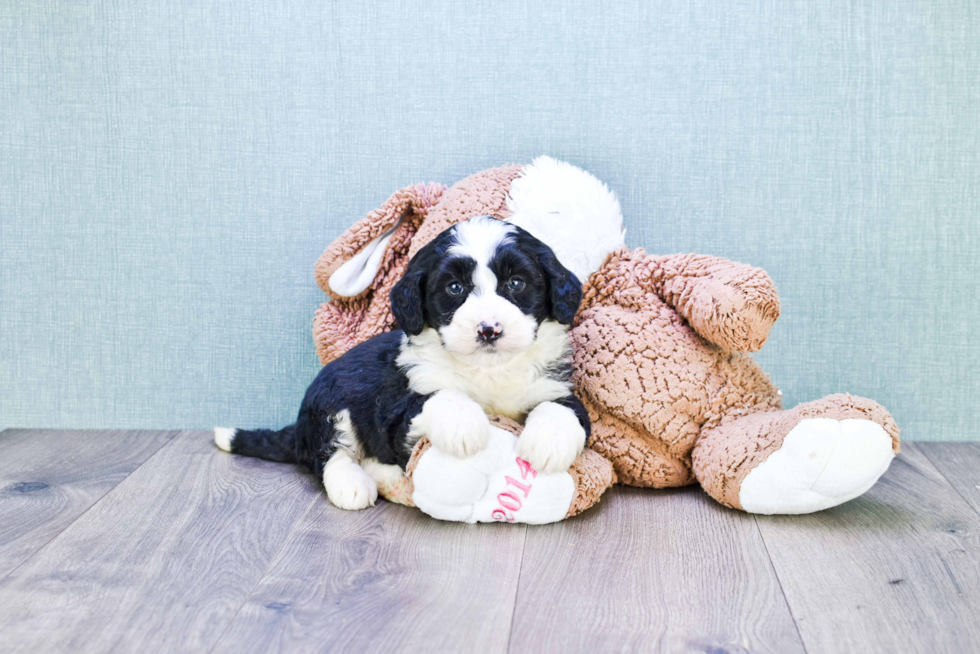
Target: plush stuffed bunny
[660,362]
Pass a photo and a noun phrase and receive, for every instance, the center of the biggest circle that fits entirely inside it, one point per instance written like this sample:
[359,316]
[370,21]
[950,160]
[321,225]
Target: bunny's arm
[732,305]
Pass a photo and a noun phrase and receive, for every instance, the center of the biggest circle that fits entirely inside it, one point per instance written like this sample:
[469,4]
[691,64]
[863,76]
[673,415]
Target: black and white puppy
[484,311]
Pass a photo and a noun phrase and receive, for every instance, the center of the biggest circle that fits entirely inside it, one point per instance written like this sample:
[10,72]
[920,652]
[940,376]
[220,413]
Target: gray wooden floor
[155,541]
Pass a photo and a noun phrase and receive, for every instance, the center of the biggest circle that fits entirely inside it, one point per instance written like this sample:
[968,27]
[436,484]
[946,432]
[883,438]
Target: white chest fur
[511,388]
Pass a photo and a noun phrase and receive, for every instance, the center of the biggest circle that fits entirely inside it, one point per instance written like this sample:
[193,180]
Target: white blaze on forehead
[484,281]
[479,238]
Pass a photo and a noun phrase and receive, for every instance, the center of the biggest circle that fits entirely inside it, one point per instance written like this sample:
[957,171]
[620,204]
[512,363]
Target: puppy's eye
[515,284]
[455,288]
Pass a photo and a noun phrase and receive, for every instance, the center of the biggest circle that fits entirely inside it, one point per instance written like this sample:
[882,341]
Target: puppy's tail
[262,443]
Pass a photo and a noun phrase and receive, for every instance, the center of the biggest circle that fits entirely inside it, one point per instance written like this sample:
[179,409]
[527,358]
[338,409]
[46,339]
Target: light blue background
[169,173]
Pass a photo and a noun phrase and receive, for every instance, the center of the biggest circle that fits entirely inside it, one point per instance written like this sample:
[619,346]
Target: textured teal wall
[169,173]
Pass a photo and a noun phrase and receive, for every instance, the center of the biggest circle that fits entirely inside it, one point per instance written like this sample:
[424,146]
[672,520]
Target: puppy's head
[485,286]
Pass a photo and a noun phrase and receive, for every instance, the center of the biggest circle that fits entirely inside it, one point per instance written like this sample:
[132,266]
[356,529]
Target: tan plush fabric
[344,322]
[660,356]
[724,455]
[658,362]
[593,475]
[648,379]
[507,424]
[398,491]
[482,194]
[417,453]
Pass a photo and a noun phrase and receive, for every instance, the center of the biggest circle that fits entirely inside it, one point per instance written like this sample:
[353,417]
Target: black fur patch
[420,298]
[366,380]
[550,291]
[367,383]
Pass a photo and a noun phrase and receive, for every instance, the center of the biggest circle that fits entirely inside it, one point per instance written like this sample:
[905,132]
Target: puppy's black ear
[564,288]
[406,302]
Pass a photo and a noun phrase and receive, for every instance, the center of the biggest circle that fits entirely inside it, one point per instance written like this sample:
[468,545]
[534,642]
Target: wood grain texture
[387,579]
[896,570]
[50,477]
[176,546]
[960,464]
[651,571]
[163,561]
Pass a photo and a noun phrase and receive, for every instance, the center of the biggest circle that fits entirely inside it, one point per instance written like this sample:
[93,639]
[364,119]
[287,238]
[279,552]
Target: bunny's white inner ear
[356,275]
[571,211]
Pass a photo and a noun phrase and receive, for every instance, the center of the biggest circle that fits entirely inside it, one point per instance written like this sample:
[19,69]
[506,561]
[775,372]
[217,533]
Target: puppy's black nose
[488,333]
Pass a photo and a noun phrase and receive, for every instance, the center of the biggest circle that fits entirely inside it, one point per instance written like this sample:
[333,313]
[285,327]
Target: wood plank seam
[33,554]
[779,581]
[517,592]
[268,567]
[163,561]
[907,579]
[939,469]
[666,571]
[392,578]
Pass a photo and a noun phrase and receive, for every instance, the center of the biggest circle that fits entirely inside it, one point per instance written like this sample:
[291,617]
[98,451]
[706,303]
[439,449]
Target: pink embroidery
[526,468]
[508,499]
[513,505]
[513,482]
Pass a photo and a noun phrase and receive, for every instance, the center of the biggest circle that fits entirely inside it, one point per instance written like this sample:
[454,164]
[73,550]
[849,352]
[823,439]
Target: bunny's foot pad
[495,485]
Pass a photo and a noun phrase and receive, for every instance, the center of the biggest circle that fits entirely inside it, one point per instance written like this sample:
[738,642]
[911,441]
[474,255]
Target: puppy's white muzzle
[487,324]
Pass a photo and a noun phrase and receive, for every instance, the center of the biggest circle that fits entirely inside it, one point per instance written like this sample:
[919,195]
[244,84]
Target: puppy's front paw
[455,424]
[551,439]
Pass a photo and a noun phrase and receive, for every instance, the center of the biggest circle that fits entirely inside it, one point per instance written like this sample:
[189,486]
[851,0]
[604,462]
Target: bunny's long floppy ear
[355,275]
[350,265]
[360,267]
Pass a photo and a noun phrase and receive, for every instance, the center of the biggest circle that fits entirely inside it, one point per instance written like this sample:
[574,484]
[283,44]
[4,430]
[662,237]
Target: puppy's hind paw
[348,486]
